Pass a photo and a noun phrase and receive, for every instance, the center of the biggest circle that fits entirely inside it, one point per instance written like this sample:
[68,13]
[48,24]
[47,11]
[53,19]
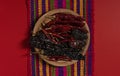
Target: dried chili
[64,32]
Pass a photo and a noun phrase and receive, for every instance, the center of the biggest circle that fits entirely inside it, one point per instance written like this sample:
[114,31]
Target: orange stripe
[75,10]
[46,5]
[82,68]
[75,69]
[81,61]
[75,6]
[41,67]
[47,65]
[47,69]
[81,8]
[39,7]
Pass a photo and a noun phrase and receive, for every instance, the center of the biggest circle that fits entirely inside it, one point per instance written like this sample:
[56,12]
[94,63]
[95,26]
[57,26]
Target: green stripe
[68,67]
[52,71]
[68,4]
[34,22]
[69,70]
[84,9]
[51,4]
[34,10]
[35,64]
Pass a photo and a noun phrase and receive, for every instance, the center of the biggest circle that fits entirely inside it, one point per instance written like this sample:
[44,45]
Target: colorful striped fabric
[84,67]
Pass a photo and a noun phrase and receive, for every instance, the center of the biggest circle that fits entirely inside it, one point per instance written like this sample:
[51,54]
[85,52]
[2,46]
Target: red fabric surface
[107,38]
[13,29]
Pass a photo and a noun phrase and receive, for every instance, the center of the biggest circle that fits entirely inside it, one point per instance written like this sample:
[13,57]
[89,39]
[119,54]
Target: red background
[13,28]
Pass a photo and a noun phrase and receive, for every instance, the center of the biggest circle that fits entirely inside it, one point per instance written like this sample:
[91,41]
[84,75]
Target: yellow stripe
[81,8]
[75,69]
[47,65]
[75,5]
[47,69]
[39,7]
[46,5]
[82,68]
[41,67]
[81,61]
[75,10]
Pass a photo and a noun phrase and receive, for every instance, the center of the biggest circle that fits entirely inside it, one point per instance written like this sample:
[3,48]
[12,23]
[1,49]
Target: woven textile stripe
[83,7]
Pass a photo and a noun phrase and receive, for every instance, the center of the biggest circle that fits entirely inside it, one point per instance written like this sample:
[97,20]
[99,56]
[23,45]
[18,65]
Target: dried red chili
[71,17]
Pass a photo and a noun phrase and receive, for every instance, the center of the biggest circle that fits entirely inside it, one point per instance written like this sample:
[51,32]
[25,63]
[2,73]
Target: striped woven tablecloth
[84,67]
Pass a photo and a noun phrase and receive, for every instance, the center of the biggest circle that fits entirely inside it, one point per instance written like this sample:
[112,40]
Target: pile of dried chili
[62,38]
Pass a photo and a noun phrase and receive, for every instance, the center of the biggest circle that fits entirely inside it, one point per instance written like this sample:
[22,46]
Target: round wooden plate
[44,18]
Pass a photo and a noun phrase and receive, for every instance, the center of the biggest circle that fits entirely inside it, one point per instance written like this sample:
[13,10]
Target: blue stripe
[84,15]
[33,66]
[89,10]
[43,6]
[44,68]
[32,25]
[60,3]
[37,57]
[43,62]
[78,6]
[60,69]
[32,14]
[78,68]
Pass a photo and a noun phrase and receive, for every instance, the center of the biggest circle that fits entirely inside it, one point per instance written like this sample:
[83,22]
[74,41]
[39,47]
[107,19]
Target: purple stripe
[32,14]
[43,6]
[78,68]
[60,3]
[85,65]
[32,25]
[89,16]
[60,69]
[78,6]
[44,68]
[38,70]
[33,65]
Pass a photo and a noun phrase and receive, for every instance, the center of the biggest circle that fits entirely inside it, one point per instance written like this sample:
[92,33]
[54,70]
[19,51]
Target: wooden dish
[45,20]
